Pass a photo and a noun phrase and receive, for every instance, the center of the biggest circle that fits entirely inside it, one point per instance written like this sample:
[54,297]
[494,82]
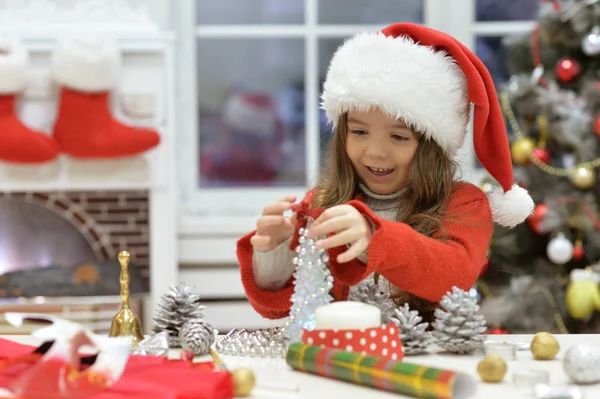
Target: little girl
[390,208]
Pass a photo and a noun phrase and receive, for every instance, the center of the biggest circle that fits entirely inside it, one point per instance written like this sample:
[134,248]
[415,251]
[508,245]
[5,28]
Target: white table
[275,372]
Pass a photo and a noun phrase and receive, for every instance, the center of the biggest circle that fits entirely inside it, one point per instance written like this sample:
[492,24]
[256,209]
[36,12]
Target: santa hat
[429,80]
[253,113]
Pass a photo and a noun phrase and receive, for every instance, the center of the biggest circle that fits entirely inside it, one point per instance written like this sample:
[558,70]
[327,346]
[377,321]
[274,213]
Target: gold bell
[126,323]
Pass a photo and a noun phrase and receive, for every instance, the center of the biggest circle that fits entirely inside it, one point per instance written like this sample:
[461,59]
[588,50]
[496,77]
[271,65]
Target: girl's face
[381,150]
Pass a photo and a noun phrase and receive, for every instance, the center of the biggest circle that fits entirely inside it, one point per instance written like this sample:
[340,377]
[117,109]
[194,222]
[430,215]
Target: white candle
[347,315]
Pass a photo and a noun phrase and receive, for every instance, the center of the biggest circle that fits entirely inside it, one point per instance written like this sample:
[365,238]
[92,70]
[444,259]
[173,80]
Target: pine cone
[371,294]
[175,308]
[459,328]
[414,335]
[197,336]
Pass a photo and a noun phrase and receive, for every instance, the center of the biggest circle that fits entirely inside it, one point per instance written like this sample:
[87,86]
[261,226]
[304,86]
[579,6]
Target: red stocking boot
[88,69]
[18,143]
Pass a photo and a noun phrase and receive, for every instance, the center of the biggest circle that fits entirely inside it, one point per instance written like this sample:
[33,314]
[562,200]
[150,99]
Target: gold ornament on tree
[492,368]
[521,150]
[126,323]
[544,346]
[584,178]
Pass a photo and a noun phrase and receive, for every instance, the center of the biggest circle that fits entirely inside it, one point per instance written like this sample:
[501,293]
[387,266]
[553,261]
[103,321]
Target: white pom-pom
[512,207]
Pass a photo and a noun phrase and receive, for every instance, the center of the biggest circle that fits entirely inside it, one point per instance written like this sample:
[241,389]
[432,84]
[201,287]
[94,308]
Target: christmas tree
[552,107]
[312,283]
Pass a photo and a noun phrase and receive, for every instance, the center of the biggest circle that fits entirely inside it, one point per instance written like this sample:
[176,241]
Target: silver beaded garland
[269,342]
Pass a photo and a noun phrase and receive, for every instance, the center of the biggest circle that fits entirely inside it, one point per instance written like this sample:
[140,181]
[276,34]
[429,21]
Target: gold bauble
[584,178]
[521,149]
[243,381]
[492,368]
[544,346]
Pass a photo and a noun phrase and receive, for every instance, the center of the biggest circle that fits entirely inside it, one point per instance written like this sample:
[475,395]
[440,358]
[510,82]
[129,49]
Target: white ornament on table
[544,391]
[582,363]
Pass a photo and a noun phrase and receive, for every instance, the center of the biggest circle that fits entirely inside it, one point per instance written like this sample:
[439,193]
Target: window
[250,76]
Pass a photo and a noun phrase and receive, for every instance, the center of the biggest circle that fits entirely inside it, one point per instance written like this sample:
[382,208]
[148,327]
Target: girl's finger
[277,208]
[336,240]
[354,251]
[333,225]
[260,242]
[266,221]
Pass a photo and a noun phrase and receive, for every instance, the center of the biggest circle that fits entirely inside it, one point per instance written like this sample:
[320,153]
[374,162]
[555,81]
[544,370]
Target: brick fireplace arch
[109,221]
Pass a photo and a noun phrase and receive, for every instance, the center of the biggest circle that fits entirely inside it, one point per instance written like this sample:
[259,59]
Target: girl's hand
[272,228]
[350,228]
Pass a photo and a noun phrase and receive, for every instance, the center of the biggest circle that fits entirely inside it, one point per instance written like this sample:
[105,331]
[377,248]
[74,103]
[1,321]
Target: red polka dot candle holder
[383,341]
[355,327]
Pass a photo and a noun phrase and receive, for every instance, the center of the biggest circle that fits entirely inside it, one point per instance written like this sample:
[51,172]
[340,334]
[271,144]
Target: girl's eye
[358,132]
[399,137]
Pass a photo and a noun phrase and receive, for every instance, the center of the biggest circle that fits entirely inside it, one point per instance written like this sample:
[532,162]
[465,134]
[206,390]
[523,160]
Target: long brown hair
[423,202]
[421,206]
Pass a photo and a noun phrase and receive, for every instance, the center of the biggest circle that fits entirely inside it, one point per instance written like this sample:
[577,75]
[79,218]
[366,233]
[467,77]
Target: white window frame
[233,211]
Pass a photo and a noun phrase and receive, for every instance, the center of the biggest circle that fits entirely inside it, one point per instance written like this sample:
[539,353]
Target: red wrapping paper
[144,377]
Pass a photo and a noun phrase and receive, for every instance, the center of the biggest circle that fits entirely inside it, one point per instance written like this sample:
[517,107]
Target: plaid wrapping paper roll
[384,374]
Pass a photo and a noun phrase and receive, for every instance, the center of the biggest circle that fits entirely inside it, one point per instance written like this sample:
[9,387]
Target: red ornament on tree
[567,69]
[542,154]
[535,220]
[597,125]
[578,250]
[497,331]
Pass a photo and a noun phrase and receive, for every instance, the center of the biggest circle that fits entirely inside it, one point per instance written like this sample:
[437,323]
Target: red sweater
[423,266]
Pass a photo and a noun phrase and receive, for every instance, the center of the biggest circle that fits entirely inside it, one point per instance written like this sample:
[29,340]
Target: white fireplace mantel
[148,65]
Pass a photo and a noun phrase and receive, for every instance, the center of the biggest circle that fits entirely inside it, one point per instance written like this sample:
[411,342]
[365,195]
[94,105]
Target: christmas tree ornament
[544,346]
[582,296]
[521,149]
[590,44]
[175,308]
[371,294]
[542,154]
[270,342]
[126,323]
[457,326]
[487,185]
[414,332]
[244,381]
[584,178]
[582,363]
[18,143]
[492,368]
[197,336]
[87,68]
[578,250]
[567,69]
[534,221]
[597,125]
[312,283]
[560,249]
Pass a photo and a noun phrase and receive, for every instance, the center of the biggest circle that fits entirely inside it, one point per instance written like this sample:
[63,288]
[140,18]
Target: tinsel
[413,332]
[582,363]
[458,327]
[269,342]
[312,283]
[370,293]
[197,336]
[175,308]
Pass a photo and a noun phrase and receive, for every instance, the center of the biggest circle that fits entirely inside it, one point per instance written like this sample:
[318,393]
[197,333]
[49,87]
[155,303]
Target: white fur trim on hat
[14,59]
[512,207]
[247,117]
[87,63]
[421,85]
